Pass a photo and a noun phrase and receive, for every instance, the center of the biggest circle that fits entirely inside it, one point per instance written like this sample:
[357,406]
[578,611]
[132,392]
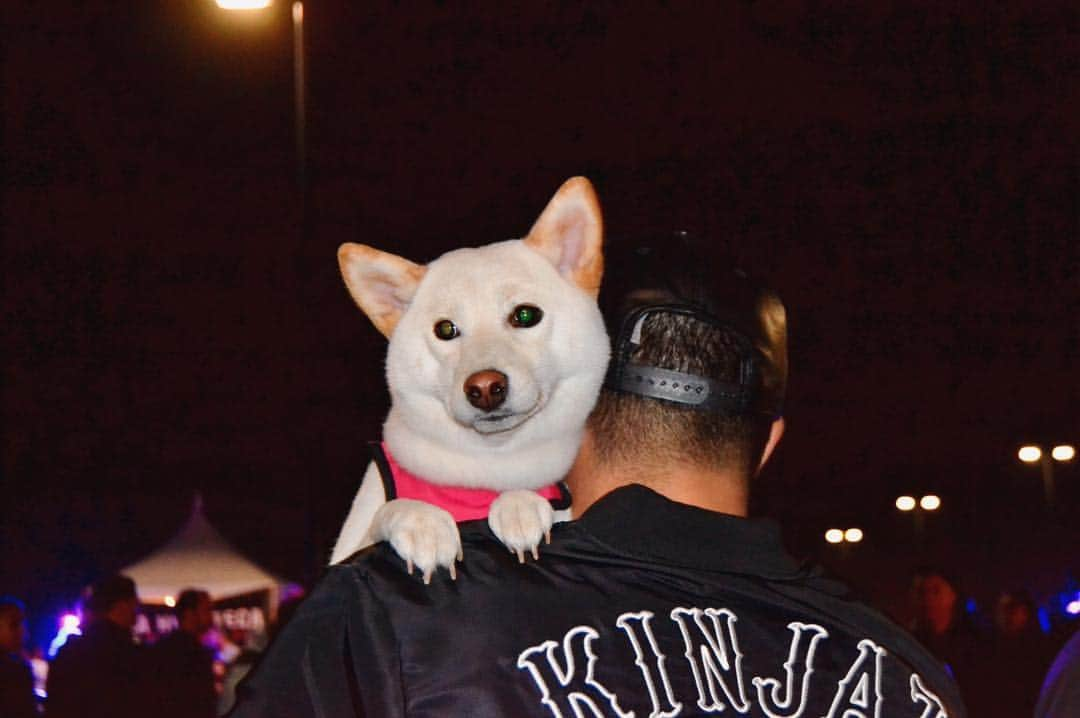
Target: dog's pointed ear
[381,284]
[570,234]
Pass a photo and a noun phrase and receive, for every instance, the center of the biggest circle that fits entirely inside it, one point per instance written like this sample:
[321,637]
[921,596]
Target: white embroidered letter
[859,694]
[564,690]
[921,694]
[655,663]
[721,661]
[797,670]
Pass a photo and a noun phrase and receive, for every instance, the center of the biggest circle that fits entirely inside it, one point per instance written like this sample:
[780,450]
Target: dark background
[907,177]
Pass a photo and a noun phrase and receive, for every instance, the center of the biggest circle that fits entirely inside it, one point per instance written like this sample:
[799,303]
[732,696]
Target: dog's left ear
[570,234]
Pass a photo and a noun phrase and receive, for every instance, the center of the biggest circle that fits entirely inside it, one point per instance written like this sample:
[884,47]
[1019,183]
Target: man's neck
[714,490]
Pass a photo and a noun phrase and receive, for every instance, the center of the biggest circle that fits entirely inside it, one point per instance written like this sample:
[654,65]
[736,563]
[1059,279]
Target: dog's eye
[526,315]
[446,329]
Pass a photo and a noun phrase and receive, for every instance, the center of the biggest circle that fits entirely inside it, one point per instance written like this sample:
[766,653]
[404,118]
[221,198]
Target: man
[184,667]
[661,599]
[16,680]
[101,674]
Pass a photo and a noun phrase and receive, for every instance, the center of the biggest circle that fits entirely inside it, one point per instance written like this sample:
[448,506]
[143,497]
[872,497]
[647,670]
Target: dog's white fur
[554,368]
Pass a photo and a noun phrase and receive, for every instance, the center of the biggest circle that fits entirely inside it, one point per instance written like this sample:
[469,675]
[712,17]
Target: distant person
[101,674]
[941,626]
[183,666]
[1060,694]
[253,650]
[1014,659]
[16,680]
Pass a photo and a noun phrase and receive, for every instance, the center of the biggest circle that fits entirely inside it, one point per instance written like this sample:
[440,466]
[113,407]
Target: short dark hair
[109,591]
[189,599]
[628,428]
[725,311]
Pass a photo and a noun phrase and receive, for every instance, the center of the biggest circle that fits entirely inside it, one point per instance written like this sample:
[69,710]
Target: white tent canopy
[198,556]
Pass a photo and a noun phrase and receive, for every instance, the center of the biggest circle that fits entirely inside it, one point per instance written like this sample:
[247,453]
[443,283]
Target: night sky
[908,178]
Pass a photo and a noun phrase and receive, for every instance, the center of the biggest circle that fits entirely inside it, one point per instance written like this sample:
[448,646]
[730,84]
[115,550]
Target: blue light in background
[1044,619]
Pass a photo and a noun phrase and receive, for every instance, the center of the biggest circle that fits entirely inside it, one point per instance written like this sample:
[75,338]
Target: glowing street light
[170,602]
[1029,454]
[905,503]
[852,535]
[1063,452]
[244,4]
[930,502]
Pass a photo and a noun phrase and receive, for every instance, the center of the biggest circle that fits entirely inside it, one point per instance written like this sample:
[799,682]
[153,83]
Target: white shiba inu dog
[496,357]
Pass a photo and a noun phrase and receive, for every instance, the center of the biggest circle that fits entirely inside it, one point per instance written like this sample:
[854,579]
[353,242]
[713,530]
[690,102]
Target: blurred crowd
[1006,665]
[1001,659]
[103,671]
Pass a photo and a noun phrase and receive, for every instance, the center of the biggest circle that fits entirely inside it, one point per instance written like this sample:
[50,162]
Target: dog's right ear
[381,284]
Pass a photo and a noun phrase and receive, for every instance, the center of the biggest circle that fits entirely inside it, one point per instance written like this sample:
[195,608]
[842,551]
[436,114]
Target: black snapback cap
[678,275]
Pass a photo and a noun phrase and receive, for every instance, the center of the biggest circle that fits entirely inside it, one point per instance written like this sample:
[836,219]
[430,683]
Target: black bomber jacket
[641,607]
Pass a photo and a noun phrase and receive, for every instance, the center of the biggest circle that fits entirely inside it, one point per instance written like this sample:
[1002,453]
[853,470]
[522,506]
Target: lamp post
[1059,454]
[300,120]
[928,503]
[299,84]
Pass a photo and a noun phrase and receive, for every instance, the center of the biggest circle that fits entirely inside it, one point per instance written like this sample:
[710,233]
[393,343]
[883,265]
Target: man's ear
[570,234]
[775,432]
[381,284]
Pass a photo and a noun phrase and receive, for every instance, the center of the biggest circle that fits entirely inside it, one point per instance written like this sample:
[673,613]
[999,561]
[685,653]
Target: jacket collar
[638,521]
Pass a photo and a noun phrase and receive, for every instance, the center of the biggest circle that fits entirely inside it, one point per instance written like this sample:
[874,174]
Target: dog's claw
[453,573]
[427,578]
[409,566]
[535,553]
[521,556]
[547,537]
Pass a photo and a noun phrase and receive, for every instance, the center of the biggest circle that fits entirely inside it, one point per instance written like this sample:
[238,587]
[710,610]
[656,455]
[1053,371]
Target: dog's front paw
[424,535]
[520,519]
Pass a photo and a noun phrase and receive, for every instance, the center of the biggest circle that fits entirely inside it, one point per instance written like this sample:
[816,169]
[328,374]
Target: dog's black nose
[486,389]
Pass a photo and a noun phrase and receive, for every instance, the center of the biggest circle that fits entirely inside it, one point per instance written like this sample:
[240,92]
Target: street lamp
[930,502]
[299,114]
[852,535]
[1061,453]
[927,503]
[299,91]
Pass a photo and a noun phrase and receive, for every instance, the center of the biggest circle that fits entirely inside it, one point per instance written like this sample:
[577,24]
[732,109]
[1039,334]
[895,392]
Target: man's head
[12,624]
[193,611]
[114,599]
[936,599]
[699,368]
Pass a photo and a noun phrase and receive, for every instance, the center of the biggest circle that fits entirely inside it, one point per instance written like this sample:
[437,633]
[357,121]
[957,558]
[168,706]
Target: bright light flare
[1073,609]
[834,535]
[905,503]
[1063,452]
[853,535]
[1029,454]
[244,4]
[930,502]
[170,602]
[69,626]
